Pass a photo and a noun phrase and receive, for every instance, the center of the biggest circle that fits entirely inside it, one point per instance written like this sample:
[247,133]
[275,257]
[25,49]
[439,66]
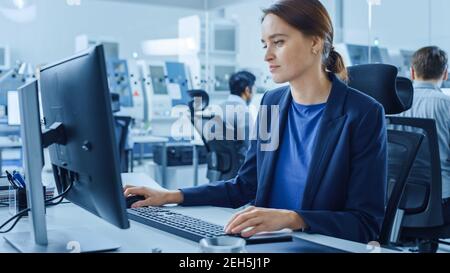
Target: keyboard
[191,228]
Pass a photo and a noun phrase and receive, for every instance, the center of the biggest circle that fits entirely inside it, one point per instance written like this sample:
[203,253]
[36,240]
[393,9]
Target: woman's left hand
[263,220]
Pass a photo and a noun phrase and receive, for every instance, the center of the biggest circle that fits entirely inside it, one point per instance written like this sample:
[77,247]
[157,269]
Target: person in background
[235,110]
[429,70]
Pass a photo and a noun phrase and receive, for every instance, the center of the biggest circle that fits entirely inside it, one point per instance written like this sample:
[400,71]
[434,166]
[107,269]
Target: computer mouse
[130,200]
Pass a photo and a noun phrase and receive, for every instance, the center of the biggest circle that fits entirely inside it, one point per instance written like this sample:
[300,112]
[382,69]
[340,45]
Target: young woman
[328,174]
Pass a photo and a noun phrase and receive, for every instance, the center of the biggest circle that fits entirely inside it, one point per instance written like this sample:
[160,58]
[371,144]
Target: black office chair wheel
[428,246]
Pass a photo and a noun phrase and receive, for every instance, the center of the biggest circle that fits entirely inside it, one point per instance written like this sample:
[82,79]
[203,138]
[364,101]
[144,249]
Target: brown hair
[430,63]
[312,19]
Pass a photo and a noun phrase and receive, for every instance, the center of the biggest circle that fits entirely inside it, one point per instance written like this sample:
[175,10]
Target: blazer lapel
[329,132]
[268,164]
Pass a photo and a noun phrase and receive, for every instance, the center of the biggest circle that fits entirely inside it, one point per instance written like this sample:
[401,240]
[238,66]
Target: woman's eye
[278,43]
[264,47]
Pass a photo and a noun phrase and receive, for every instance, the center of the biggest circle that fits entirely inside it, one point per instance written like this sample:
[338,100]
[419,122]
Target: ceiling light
[73,2]
[20,4]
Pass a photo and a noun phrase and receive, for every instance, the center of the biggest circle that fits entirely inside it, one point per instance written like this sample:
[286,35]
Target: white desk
[148,139]
[143,239]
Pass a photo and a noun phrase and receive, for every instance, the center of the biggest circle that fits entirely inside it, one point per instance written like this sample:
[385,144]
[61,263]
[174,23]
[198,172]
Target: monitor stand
[62,241]
[39,240]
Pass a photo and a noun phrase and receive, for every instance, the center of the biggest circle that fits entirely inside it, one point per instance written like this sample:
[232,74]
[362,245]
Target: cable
[18,216]
[12,226]
[62,196]
[52,204]
[48,203]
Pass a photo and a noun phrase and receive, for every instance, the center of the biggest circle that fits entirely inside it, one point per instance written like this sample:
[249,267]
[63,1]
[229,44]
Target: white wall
[440,23]
[248,15]
[396,23]
[52,35]
[399,24]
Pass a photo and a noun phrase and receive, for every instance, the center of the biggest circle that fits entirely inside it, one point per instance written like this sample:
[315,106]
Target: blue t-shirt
[295,156]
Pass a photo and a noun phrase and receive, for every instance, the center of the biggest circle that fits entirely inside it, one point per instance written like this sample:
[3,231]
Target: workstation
[146,134]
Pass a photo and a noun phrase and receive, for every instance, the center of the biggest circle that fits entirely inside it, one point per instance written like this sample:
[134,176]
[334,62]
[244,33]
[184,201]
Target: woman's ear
[316,44]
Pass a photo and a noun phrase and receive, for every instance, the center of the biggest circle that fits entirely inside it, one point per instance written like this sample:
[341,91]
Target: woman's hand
[154,198]
[263,220]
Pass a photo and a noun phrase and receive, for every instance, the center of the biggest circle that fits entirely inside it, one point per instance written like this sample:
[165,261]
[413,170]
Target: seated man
[236,112]
[429,71]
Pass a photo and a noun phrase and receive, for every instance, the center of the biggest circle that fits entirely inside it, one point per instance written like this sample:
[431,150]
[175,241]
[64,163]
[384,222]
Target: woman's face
[289,53]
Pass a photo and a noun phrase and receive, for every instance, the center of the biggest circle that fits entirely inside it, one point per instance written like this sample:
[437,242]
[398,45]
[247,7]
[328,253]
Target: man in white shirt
[235,110]
[429,71]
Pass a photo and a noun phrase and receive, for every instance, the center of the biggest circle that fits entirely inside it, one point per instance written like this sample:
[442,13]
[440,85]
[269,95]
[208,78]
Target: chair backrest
[422,200]
[405,91]
[122,125]
[199,100]
[225,154]
[402,151]
[380,81]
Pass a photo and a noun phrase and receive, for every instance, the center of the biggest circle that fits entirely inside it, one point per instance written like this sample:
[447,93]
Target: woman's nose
[268,56]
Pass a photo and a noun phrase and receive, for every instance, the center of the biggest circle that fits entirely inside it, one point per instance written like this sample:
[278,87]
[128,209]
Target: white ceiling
[192,4]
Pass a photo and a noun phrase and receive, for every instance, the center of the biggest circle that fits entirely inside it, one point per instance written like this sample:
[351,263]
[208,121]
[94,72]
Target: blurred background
[157,50]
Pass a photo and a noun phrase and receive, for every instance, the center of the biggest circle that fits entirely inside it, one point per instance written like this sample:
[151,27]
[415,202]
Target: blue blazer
[346,185]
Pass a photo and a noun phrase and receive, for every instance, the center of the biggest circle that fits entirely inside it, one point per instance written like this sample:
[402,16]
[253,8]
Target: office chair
[402,151]
[420,209]
[122,124]
[380,82]
[423,219]
[225,157]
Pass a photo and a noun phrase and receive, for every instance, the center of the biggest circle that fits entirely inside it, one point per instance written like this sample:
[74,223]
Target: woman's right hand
[154,198]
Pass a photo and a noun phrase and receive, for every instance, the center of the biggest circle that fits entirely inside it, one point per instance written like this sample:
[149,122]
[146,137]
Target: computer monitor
[222,75]
[224,38]
[158,78]
[407,56]
[119,81]
[80,135]
[359,54]
[10,81]
[385,56]
[376,56]
[177,77]
[13,108]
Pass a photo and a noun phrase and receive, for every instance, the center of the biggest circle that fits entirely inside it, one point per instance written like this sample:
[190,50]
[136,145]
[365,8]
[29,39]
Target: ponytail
[335,64]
